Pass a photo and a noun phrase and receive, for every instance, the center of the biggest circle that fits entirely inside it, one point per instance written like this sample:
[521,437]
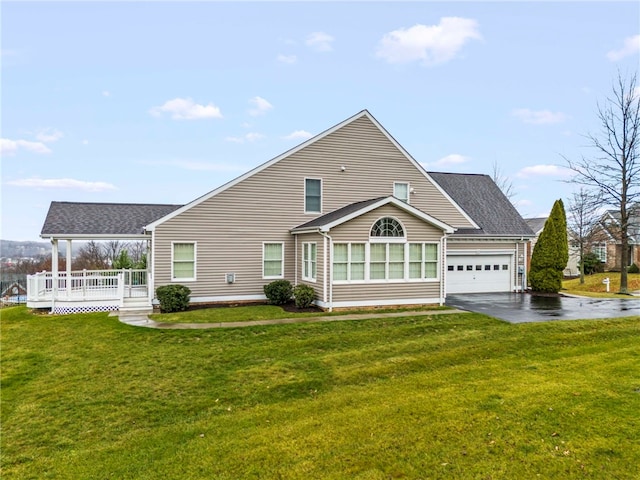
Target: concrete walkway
[142,320]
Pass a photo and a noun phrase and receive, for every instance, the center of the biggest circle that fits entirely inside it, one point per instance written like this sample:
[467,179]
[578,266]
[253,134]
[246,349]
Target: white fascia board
[256,170]
[100,237]
[394,201]
[491,238]
[421,169]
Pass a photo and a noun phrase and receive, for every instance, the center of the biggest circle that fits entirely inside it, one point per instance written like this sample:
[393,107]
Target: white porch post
[54,272]
[68,259]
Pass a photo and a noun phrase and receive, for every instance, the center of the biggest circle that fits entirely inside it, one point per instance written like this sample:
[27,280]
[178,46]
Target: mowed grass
[457,396]
[594,287]
[246,313]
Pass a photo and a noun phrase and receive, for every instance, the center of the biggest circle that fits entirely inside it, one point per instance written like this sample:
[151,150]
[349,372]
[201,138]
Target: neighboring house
[606,242]
[348,212]
[14,293]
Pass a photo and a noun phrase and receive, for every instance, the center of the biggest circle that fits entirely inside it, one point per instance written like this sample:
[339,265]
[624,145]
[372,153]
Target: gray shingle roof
[75,218]
[536,224]
[484,202]
[337,214]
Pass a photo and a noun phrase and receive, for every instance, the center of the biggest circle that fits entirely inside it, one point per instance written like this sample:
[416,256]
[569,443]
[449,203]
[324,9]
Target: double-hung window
[273,260]
[183,261]
[312,195]
[309,261]
[423,261]
[348,261]
[601,251]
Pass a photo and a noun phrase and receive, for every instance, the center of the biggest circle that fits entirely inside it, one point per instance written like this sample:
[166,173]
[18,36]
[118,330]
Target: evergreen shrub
[173,298]
[278,292]
[303,295]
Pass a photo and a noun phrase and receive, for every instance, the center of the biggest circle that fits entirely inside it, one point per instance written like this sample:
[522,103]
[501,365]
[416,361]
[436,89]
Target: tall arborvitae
[551,253]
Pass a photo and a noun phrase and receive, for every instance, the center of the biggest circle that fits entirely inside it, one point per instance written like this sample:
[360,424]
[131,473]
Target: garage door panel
[479,273]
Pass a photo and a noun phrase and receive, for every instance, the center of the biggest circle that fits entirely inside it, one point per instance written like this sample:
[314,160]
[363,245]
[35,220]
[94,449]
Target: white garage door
[479,273]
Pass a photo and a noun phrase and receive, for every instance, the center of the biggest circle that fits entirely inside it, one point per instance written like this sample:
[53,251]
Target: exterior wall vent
[230,277]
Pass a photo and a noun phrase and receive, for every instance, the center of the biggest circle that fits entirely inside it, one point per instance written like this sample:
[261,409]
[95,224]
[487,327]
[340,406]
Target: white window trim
[408,191]
[601,247]
[273,277]
[405,279]
[307,245]
[311,212]
[195,262]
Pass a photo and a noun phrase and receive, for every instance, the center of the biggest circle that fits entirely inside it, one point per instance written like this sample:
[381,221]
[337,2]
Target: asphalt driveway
[520,308]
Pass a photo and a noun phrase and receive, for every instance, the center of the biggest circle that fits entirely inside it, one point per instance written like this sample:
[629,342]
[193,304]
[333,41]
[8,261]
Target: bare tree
[503,182]
[614,169]
[112,249]
[582,219]
[90,257]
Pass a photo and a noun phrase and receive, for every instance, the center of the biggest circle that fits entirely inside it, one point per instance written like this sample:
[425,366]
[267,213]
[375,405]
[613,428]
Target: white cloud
[68,183]
[545,171]
[106,93]
[430,44]
[287,58]
[319,41]
[539,117]
[49,135]
[298,135]
[522,203]
[10,147]
[186,109]
[630,46]
[85,142]
[248,137]
[261,106]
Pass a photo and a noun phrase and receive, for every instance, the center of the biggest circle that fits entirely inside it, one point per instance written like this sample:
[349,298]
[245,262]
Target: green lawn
[459,396]
[593,286]
[243,313]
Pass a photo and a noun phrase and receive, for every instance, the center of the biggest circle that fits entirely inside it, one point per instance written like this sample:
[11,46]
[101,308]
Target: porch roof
[328,221]
[101,220]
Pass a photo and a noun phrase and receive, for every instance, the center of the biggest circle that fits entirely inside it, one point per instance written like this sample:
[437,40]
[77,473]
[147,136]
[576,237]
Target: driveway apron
[525,307]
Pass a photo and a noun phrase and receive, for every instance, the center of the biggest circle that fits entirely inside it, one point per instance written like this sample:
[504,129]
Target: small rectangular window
[469,268]
[273,260]
[184,261]
[487,267]
[312,195]
[478,267]
[505,267]
[450,268]
[460,268]
[401,191]
[496,267]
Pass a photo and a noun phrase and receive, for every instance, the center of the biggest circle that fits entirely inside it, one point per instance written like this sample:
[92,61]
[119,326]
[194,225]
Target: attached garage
[479,273]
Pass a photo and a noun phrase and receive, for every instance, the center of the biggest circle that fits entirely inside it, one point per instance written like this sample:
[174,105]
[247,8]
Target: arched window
[387,227]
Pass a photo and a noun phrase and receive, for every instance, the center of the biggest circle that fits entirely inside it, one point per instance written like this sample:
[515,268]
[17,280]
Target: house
[606,242]
[13,293]
[348,212]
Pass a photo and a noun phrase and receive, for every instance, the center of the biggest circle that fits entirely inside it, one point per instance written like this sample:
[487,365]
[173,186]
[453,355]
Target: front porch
[90,291]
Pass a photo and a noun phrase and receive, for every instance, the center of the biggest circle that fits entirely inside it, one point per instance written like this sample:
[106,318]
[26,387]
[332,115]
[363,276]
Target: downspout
[328,238]
[295,260]
[443,268]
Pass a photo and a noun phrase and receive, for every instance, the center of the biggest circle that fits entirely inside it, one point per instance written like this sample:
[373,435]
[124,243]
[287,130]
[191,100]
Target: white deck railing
[87,285]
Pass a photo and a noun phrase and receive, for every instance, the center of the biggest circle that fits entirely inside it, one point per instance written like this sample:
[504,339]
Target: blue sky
[161,102]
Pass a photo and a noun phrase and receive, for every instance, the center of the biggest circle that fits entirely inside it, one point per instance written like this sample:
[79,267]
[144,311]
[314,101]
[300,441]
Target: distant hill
[17,249]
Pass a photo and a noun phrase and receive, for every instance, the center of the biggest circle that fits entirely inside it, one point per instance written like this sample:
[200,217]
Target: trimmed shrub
[551,253]
[173,298]
[303,295]
[278,292]
[633,269]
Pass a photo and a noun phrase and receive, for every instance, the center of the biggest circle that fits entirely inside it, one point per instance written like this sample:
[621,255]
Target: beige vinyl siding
[378,292]
[231,226]
[358,229]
